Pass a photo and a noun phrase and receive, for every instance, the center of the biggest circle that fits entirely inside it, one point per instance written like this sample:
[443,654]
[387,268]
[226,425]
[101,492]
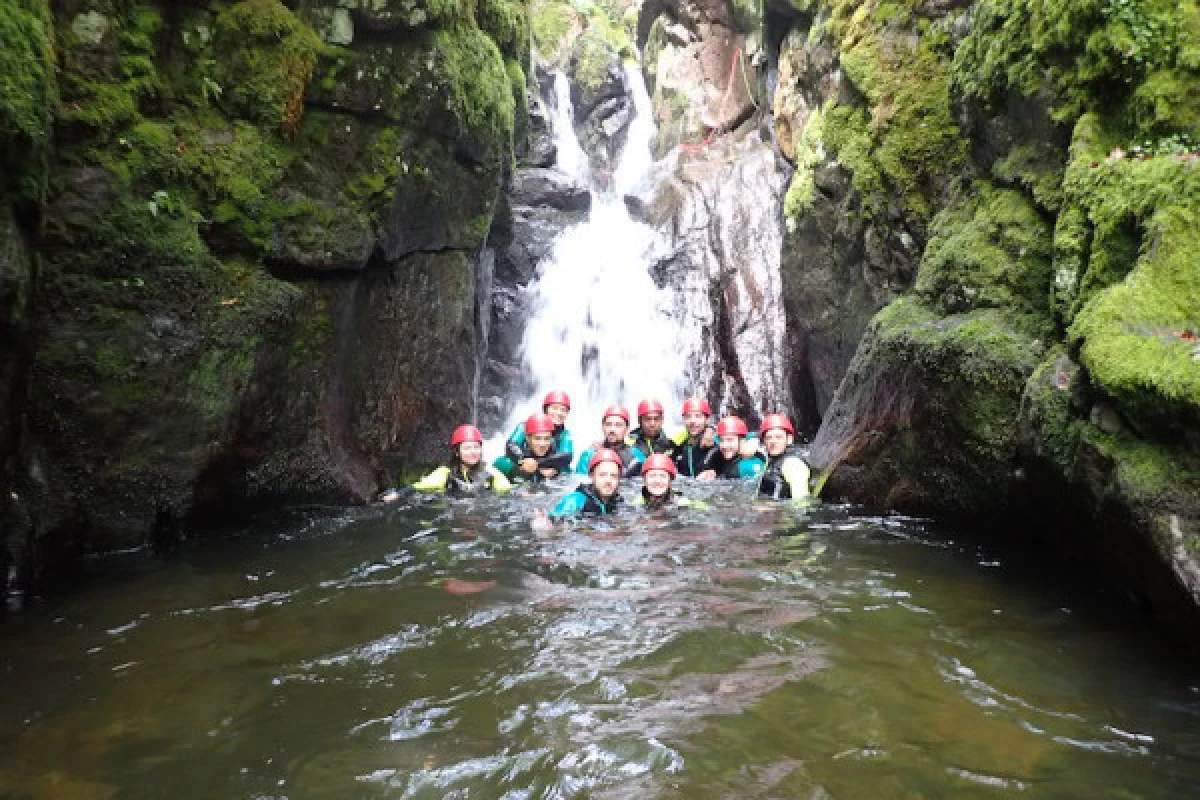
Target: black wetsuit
[660,444]
[728,469]
[772,482]
[554,459]
[468,481]
[690,457]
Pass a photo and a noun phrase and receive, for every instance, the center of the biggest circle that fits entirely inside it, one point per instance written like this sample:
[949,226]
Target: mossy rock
[1136,298]
[265,58]
[452,84]
[1136,59]
[108,71]
[926,419]
[28,94]
[508,23]
[989,249]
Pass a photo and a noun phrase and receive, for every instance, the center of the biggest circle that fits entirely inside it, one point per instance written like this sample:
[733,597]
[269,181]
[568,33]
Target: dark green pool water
[737,653]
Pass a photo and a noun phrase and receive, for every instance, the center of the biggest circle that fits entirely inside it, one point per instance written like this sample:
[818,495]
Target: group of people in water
[542,448]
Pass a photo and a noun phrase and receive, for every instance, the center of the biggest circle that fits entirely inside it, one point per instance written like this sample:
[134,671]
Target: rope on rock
[733,64]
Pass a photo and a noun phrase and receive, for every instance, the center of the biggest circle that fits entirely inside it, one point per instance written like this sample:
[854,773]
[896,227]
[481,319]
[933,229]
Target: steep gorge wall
[1015,185]
[239,258]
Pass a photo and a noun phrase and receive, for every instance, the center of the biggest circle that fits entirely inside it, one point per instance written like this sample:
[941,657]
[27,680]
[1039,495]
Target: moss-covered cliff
[254,226]
[1024,175]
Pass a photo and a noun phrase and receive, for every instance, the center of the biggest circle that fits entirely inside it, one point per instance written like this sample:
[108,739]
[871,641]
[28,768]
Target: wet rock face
[840,264]
[263,286]
[721,218]
[698,65]
[603,106]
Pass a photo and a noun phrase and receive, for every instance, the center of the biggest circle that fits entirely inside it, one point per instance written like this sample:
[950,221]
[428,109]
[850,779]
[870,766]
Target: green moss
[266,56]
[27,89]
[104,85]
[519,83]
[507,22]
[988,249]
[1072,248]
[1037,167]
[551,20]
[1097,55]
[1140,290]
[902,140]
[475,87]
[810,151]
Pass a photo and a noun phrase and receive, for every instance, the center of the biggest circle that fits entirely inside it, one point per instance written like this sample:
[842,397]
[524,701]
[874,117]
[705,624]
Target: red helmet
[556,397]
[659,461]
[649,407]
[615,411]
[732,426]
[696,404]
[771,421]
[539,423]
[465,433]
[602,455]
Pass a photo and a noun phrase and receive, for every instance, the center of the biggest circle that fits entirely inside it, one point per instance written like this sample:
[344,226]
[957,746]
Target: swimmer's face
[605,478]
[651,424]
[695,422]
[558,412]
[539,443]
[470,453]
[729,447]
[776,441]
[658,481]
[615,429]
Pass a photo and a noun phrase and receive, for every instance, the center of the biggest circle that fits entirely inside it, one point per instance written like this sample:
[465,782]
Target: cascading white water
[600,328]
[570,158]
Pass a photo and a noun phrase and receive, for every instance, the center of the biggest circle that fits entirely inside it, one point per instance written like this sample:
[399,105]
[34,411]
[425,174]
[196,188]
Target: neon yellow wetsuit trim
[437,480]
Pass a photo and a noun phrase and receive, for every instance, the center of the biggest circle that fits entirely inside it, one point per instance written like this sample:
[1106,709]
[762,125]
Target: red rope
[691,148]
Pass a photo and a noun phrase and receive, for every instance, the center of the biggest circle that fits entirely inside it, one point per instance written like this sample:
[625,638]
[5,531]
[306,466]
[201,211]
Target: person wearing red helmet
[658,478]
[785,475]
[693,448]
[599,497]
[728,460]
[538,457]
[615,424]
[467,475]
[557,405]
[648,437]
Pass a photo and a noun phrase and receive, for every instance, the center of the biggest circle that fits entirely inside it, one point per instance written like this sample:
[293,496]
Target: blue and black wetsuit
[584,500]
[510,466]
[737,468]
[563,443]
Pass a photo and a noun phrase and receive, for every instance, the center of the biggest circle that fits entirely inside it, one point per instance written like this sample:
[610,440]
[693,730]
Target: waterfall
[600,328]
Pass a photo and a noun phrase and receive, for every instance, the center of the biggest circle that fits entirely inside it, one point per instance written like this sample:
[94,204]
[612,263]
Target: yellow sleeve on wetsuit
[434,481]
[796,472]
[678,436]
[500,484]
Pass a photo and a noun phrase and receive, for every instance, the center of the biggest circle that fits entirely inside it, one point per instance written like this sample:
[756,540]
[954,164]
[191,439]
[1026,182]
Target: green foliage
[472,82]
[988,249]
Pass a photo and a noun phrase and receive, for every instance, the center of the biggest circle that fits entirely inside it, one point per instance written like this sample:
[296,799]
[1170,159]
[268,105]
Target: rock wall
[1016,182]
[257,244]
